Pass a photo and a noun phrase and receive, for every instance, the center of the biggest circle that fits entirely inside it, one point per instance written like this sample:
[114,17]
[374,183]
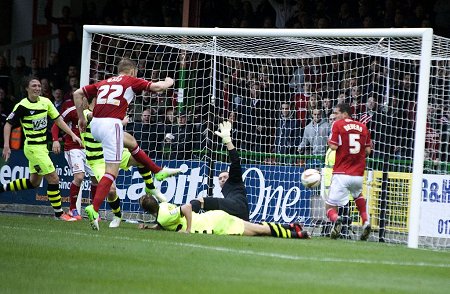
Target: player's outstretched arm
[161,85]
[63,126]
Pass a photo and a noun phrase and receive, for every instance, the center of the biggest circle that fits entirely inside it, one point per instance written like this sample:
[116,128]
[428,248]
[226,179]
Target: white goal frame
[425,34]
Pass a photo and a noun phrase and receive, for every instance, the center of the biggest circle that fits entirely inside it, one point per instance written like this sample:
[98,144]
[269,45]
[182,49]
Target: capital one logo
[267,197]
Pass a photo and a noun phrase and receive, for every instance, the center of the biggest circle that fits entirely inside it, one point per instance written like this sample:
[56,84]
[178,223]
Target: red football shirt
[352,137]
[69,115]
[114,95]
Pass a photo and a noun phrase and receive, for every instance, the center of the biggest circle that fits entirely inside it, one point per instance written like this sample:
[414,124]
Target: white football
[311,178]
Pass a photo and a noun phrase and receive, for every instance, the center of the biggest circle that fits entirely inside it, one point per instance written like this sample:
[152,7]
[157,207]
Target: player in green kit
[171,217]
[95,159]
[31,113]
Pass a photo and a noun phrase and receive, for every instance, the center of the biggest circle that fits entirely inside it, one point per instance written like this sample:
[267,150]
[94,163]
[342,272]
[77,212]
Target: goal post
[226,72]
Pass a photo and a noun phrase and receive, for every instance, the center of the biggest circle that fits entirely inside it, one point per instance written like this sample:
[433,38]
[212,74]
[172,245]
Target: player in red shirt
[351,140]
[74,154]
[112,98]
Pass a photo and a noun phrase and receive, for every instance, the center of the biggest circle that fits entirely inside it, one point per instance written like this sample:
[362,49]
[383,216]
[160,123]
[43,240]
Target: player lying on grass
[95,159]
[171,217]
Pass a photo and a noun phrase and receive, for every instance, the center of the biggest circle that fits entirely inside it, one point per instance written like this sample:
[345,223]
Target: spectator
[58,96]
[346,18]
[287,133]
[432,134]
[236,133]
[3,117]
[5,75]
[284,10]
[74,84]
[313,104]
[71,72]
[65,24]
[327,107]
[314,141]
[18,74]
[55,71]
[254,112]
[298,77]
[180,140]
[71,50]
[441,9]
[445,135]
[6,102]
[147,133]
[90,14]
[46,89]
[301,104]
[357,104]
[35,69]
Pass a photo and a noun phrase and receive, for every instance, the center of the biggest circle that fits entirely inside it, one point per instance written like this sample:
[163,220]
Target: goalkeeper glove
[224,132]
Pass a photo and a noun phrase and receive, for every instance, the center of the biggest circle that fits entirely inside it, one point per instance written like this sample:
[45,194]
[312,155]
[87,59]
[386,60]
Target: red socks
[361,205]
[143,159]
[73,195]
[332,214]
[102,190]
[93,191]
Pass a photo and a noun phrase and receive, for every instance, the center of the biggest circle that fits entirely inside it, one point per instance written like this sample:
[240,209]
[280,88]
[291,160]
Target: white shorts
[76,158]
[109,132]
[340,188]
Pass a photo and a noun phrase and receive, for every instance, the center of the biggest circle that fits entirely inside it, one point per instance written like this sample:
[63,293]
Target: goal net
[278,88]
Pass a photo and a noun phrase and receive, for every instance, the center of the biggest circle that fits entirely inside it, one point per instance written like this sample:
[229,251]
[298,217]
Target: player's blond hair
[126,65]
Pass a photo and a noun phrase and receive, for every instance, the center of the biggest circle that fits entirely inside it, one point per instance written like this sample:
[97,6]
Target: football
[311,178]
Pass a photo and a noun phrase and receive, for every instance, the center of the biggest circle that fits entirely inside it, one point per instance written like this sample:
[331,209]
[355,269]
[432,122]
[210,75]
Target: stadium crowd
[298,95]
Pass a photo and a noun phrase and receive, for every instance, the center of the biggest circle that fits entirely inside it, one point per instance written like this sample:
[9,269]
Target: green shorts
[217,222]
[39,161]
[98,166]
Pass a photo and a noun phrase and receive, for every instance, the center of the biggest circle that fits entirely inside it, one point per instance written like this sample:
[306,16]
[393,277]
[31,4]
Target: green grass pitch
[42,255]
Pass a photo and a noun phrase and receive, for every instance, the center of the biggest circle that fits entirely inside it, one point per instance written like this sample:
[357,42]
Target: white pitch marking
[245,252]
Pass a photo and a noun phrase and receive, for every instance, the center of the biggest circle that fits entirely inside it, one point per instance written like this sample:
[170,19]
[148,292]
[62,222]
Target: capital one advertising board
[274,192]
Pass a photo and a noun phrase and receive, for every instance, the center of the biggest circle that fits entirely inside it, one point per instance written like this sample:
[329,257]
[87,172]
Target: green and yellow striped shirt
[92,148]
[33,118]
